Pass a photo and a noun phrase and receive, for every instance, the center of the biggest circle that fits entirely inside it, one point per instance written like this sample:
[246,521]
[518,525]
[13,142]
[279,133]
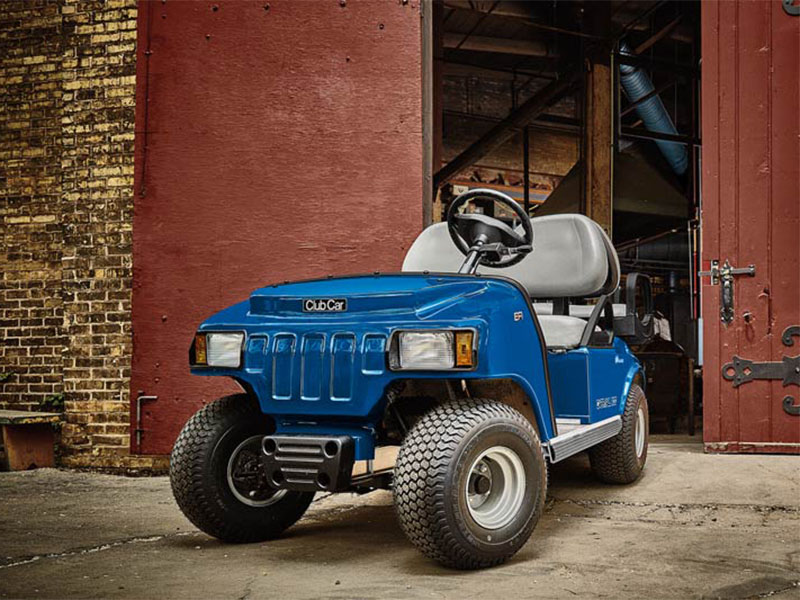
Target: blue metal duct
[655,117]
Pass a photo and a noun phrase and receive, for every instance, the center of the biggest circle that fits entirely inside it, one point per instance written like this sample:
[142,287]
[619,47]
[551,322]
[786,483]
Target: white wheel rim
[495,506]
[640,432]
[252,497]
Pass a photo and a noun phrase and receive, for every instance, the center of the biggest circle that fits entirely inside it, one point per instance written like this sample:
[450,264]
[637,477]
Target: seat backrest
[582,311]
[572,257]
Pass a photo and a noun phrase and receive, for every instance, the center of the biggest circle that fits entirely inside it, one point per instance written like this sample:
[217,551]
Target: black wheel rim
[246,477]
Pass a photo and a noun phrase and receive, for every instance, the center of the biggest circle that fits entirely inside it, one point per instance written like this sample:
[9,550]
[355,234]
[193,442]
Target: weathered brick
[67,97]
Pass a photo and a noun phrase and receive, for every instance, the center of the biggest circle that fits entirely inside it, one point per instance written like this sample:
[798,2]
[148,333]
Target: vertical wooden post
[599,139]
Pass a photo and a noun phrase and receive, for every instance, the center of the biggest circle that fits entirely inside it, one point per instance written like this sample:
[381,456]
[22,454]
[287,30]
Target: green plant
[5,377]
[53,403]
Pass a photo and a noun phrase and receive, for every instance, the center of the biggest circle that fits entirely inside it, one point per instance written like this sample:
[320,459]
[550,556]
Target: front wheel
[217,478]
[470,483]
[621,458]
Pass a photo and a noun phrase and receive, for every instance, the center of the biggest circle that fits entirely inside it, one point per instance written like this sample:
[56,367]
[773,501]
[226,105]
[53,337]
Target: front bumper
[308,463]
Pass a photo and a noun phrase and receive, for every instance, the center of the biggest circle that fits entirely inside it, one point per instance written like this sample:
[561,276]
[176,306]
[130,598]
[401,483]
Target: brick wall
[67,79]
[31,310]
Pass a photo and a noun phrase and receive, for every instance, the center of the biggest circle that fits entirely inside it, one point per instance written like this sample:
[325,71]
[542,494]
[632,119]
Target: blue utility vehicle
[453,383]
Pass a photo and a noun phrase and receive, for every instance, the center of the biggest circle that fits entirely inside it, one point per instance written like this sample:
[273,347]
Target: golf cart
[496,350]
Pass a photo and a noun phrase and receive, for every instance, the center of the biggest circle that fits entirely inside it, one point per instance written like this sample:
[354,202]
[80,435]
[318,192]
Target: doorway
[588,107]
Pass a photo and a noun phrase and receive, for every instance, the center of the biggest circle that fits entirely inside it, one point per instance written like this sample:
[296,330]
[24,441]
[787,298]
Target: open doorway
[587,107]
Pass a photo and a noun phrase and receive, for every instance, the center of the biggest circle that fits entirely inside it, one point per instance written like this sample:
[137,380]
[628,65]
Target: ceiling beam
[478,43]
[464,69]
[544,122]
[503,9]
[506,128]
[513,14]
[656,92]
[658,36]
[478,23]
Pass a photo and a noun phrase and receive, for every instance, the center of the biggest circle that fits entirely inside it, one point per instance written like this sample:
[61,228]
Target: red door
[751,215]
[275,140]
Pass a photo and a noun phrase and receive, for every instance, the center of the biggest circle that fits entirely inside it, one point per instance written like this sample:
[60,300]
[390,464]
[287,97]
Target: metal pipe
[654,115]
[641,241]
[141,397]
[526,165]
[428,168]
[644,134]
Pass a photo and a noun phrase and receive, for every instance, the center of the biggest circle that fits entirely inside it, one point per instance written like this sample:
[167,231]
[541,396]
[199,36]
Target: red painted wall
[751,215]
[275,140]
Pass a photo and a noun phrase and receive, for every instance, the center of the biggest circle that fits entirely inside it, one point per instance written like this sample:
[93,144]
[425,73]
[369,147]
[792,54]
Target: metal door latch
[724,275]
[741,370]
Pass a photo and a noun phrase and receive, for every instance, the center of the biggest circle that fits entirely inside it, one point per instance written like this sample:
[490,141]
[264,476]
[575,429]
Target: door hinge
[787,370]
[724,275]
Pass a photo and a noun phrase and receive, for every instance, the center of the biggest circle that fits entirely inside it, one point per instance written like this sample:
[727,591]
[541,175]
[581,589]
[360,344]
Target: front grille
[316,366]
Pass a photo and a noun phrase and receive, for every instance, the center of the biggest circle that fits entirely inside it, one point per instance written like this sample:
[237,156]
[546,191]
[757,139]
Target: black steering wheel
[493,240]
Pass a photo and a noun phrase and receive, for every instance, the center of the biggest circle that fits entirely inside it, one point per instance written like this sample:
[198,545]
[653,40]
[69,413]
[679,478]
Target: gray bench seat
[572,258]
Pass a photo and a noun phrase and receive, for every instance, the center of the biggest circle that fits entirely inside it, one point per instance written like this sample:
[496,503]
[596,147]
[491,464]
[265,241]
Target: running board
[582,437]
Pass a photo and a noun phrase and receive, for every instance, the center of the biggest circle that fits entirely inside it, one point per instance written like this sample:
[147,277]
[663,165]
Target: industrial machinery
[496,350]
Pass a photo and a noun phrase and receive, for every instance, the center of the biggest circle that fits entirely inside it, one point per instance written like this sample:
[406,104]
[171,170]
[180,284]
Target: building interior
[589,107]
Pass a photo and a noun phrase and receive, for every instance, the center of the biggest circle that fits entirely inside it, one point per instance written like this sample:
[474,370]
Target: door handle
[723,275]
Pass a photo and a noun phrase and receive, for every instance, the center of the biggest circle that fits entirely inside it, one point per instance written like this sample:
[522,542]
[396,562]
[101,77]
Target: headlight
[433,350]
[218,349]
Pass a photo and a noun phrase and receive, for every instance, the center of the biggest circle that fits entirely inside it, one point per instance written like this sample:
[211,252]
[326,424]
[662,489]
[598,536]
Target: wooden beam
[597,146]
[504,9]
[598,138]
[656,92]
[460,68]
[659,35]
[512,13]
[477,43]
[498,134]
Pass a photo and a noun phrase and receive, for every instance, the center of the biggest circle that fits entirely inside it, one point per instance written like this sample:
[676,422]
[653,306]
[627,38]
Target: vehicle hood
[377,295]
[367,298]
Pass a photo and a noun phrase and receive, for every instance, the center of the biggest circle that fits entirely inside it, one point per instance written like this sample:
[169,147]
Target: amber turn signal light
[200,354]
[464,349]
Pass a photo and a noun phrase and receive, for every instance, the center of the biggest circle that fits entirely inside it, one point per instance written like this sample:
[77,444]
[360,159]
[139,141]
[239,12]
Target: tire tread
[615,460]
[422,471]
[193,486]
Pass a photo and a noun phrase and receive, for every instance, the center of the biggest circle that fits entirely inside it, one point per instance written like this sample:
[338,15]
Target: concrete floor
[694,526]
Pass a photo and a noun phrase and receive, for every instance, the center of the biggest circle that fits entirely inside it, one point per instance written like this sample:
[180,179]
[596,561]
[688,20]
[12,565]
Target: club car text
[325,305]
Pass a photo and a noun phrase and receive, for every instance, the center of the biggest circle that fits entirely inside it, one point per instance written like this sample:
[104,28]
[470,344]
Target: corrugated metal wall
[751,215]
[275,140]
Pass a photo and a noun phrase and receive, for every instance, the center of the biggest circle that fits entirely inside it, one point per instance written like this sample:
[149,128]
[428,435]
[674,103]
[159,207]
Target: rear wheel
[217,478]
[470,483]
[621,458]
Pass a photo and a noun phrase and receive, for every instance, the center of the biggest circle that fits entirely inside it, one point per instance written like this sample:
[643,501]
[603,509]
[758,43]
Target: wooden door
[751,215]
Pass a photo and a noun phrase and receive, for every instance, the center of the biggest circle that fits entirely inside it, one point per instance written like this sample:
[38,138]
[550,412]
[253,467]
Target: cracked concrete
[696,526]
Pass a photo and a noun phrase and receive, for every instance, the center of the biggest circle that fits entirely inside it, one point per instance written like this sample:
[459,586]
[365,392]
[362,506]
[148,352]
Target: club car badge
[325,305]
